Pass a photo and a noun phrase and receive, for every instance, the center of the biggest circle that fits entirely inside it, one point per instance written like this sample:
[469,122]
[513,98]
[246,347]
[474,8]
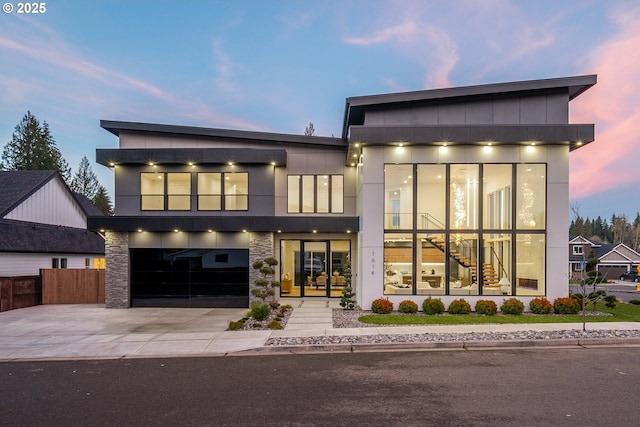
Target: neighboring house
[614,259]
[459,191]
[43,224]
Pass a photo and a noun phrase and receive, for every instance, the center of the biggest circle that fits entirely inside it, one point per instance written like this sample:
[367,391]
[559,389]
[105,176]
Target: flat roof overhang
[571,135]
[294,224]
[356,107]
[216,134]
[119,156]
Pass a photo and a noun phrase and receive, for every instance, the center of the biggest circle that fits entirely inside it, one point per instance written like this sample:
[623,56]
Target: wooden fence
[72,286]
[19,292]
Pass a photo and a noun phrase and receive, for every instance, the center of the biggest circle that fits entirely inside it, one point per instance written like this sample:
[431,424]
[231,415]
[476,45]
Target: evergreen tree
[103,201]
[310,130]
[85,181]
[33,148]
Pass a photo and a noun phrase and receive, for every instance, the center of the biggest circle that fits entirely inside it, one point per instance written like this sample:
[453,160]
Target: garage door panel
[190,277]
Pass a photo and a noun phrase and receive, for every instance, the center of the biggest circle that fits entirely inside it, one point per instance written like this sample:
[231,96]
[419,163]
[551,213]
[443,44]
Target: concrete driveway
[63,331]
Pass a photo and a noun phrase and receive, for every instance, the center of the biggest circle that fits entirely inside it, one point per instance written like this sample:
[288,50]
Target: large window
[210,191]
[465,229]
[236,191]
[398,197]
[178,191]
[152,191]
[215,191]
[315,194]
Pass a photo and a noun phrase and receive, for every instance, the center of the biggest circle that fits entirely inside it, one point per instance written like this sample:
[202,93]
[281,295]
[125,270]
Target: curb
[444,346]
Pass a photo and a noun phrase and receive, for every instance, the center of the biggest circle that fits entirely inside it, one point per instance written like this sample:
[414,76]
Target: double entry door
[313,267]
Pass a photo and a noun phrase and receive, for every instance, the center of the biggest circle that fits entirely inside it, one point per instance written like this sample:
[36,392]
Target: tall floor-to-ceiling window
[465,229]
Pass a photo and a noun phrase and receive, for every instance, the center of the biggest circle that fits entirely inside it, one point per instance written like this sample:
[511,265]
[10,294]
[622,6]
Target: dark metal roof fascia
[111,156]
[115,127]
[307,224]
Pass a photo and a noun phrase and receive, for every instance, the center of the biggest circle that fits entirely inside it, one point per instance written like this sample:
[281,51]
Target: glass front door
[313,268]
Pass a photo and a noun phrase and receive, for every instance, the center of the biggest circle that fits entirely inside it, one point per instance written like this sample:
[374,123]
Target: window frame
[303,198]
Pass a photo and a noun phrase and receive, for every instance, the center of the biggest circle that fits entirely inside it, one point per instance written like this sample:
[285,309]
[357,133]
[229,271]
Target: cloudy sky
[278,65]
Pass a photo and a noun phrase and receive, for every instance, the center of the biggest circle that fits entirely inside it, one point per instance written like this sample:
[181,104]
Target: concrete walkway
[91,331]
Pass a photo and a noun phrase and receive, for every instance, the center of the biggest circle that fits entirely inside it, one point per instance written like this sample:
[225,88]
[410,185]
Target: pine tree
[310,130]
[85,181]
[103,201]
[33,148]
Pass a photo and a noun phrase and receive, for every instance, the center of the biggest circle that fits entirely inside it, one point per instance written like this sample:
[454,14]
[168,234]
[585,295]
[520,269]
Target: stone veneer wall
[260,247]
[117,274]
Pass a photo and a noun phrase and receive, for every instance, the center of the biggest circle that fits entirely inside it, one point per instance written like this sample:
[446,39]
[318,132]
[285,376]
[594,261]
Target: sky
[276,66]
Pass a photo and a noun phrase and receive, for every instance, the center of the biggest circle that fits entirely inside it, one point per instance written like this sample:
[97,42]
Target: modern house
[43,224]
[449,192]
[613,259]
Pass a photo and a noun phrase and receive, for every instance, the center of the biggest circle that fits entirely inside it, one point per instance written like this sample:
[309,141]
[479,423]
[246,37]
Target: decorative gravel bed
[349,319]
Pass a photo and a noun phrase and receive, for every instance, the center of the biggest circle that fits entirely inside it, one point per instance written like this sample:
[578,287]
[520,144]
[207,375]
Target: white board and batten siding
[29,264]
[51,204]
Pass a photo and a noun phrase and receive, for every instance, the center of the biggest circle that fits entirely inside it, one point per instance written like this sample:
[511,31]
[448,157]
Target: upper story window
[152,191]
[315,194]
[215,191]
[577,250]
[160,191]
[179,191]
[223,191]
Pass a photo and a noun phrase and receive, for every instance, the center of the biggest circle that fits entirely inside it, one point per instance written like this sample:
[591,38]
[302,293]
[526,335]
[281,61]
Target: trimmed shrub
[259,310]
[274,324]
[512,306]
[433,306]
[459,306]
[595,276]
[565,305]
[540,305]
[235,326]
[635,302]
[485,306]
[408,306]
[382,306]
[610,301]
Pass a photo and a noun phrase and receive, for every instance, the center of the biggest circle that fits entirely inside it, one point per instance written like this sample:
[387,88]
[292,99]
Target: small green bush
[485,306]
[433,306]
[408,306]
[595,276]
[512,306]
[540,305]
[635,302]
[382,306]
[459,306]
[259,310]
[565,305]
[274,305]
[274,324]
[610,301]
[235,326]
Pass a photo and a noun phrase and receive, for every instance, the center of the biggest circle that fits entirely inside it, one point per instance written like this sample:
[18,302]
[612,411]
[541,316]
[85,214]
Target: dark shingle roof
[16,186]
[87,205]
[20,236]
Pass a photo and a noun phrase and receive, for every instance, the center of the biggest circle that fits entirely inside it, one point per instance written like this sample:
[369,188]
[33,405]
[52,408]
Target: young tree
[310,130]
[33,148]
[85,181]
[102,201]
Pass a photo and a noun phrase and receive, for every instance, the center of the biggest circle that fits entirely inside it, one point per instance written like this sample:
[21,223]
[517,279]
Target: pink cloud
[424,42]
[613,105]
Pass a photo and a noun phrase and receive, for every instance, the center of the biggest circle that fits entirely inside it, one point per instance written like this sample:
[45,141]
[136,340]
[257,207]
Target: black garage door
[189,277]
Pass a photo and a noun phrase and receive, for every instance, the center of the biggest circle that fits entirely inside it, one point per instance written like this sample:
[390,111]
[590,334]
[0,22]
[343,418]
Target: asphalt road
[541,387]
[626,291]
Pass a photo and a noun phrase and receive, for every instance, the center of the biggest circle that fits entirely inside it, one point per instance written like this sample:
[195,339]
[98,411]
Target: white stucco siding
[51,204]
